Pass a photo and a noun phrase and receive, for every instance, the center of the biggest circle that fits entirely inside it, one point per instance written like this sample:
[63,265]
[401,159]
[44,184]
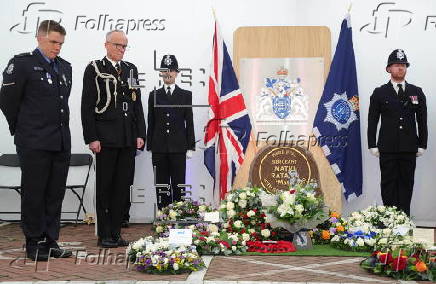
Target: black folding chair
[79,160]
[10,160]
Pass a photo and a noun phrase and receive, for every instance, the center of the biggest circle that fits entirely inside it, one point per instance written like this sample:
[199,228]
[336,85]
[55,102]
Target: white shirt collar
[113,62]
[172,87]
[395,85]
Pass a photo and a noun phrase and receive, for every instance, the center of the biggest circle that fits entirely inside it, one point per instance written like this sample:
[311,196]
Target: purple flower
[333,220]
[332,231]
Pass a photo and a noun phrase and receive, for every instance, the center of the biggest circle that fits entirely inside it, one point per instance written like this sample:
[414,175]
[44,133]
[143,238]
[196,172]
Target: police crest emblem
[10,69]
[167,60]
[281,99]
[281,106]
[341,111]
[400,54]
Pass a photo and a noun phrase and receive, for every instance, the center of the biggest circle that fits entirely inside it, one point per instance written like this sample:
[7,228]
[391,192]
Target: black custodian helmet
[169,62]
[397,57]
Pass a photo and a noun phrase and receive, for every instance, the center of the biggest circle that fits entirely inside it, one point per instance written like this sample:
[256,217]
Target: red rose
[202,238]
[399,263]
[204,233]
[243,231]
[292,191]
[385,258]
[226,244]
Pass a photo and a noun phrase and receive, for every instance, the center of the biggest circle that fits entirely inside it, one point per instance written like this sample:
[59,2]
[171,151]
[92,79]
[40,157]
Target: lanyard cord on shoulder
[107,77]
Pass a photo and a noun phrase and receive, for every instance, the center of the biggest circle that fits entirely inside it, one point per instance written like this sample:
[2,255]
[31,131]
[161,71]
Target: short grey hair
[108,35]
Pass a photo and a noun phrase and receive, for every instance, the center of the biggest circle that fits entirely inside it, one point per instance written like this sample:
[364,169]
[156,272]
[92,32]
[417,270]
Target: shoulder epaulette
[63,60]
[97,61]
[24,54]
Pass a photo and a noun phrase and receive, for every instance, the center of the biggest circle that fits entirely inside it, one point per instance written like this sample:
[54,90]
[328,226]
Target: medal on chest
[49,80]
[414,99]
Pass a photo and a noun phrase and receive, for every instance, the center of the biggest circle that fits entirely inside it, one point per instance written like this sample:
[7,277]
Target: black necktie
[53,66]
[401,94]
[118,68]
[168,91]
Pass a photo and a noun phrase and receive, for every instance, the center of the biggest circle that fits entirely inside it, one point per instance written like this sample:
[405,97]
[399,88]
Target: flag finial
[213,12]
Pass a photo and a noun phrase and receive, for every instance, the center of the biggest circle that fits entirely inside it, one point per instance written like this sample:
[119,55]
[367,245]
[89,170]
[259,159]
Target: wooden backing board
[280,42]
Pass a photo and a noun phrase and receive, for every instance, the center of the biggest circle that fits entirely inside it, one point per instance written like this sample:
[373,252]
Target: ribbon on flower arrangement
[270,247]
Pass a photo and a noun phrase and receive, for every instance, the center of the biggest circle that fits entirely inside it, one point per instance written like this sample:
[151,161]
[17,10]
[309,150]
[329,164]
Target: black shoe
[125,224]
[37,253]
[120,241]
[56,251]
[36,250]
[107,243]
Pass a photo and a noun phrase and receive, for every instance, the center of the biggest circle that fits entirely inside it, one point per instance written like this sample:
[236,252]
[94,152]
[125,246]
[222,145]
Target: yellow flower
[325,235]
[335,214]
[421,266]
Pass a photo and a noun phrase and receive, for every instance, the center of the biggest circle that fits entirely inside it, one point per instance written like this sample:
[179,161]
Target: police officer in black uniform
[114,127]
[403,132]
[34,98]
[170,135]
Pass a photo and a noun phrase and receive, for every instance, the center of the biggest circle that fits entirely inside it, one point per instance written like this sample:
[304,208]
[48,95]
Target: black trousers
[397,179]
[43,179]
[170,170]
[126,209]
[114,176]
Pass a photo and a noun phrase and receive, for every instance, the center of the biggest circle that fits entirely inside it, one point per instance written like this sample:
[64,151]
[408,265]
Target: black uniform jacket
[170,122]
[123,119]
[403,125]
[34,99]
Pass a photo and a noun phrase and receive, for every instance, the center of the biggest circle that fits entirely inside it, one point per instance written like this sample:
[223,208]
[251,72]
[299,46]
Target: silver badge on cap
[10,69]
[400,54]
[167,60]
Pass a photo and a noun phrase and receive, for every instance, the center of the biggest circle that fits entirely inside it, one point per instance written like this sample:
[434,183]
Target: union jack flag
[227,132]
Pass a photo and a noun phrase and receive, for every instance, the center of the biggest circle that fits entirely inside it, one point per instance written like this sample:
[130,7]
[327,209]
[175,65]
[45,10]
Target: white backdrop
[185,28]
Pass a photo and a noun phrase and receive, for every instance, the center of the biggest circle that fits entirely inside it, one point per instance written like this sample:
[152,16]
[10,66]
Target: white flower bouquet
[376,227]
[157,256]
[301,207]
